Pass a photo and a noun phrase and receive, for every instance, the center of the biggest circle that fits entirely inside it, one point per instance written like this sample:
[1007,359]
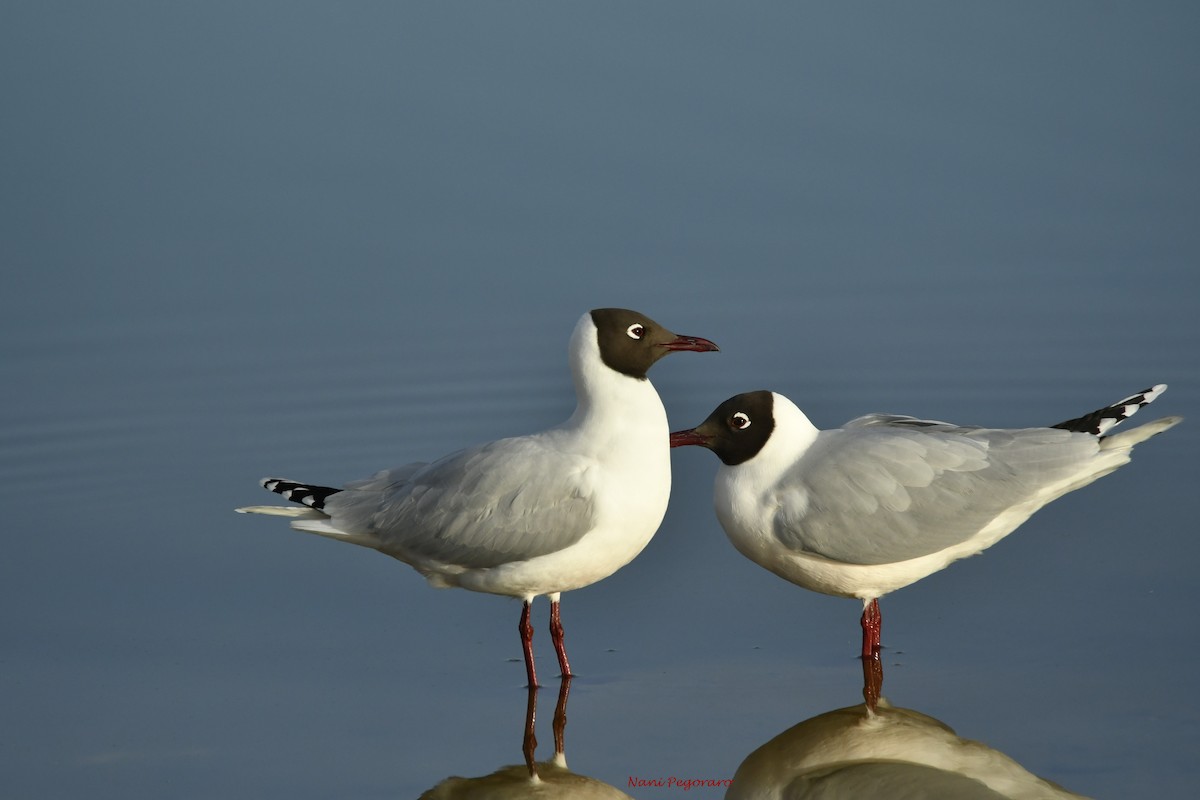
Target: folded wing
[889,488]
[509,500]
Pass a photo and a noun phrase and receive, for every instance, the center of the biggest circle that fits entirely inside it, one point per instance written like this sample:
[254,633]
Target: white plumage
[885,500]
[861,752]
[529,515]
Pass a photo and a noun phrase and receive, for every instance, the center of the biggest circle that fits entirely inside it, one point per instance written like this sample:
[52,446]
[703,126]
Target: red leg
[877,631]
[560,717]
[526,629]
[872,679]
[556,635]
[872,625]
[529,743]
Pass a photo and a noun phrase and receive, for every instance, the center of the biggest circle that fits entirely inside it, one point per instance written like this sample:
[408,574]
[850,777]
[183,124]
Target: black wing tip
[1102,420]
[303,493]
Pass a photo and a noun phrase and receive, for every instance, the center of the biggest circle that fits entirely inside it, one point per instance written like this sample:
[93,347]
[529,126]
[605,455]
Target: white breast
[620,425]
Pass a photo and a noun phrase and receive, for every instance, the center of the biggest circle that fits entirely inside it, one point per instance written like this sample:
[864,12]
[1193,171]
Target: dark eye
[636,331]
[739,421]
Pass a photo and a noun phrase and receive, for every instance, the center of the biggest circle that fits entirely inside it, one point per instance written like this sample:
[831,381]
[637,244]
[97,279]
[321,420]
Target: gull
[529,515]
[547,780]
[885,500]
[884,751]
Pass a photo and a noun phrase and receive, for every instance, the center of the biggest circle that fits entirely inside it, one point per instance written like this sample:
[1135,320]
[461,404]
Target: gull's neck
[793,434]
[607,399]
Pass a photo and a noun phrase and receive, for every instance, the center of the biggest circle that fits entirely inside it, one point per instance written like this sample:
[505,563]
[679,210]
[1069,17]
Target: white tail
[1128,439]
[296,512]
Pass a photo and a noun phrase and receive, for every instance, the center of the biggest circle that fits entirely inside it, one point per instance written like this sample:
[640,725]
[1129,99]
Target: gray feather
[886,488]
[509,500]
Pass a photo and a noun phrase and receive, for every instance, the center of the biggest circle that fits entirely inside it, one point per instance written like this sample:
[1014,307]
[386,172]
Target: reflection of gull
[529,515]
[893,753]
[533,779]
[885,500]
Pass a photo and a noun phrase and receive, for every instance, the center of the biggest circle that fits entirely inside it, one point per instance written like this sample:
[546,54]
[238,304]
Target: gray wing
[888,488]
[509,500]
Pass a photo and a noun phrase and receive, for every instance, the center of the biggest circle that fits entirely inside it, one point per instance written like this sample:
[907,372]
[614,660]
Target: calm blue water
[308,240]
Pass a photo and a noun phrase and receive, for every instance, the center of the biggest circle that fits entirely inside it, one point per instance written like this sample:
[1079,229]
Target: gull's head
[737,430]
[630,343]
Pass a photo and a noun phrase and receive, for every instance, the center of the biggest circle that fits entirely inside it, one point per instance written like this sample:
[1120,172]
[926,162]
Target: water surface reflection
[544,779]
[878,750]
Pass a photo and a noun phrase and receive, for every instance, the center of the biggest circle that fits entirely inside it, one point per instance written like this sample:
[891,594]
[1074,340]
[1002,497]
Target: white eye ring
[739,421]
[636,331]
